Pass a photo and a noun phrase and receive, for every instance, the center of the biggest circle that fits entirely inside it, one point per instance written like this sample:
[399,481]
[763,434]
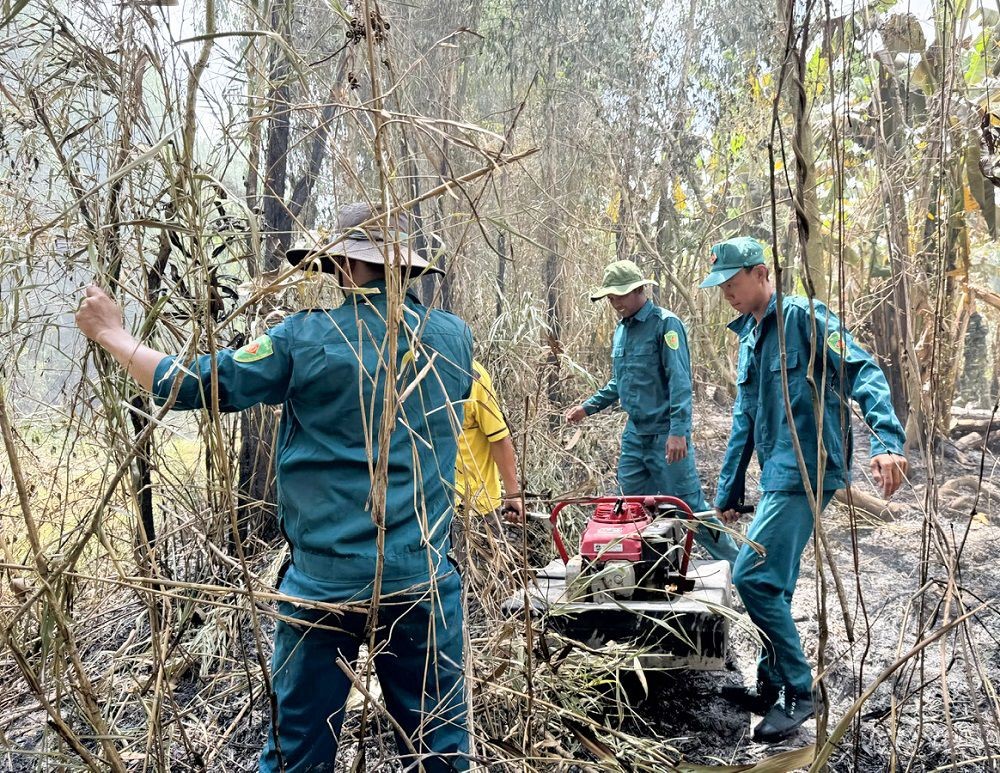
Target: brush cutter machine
[634,581]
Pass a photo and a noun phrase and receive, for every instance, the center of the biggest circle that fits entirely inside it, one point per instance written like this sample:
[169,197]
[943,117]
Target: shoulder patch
[837,344]
[672,340]
[257,349]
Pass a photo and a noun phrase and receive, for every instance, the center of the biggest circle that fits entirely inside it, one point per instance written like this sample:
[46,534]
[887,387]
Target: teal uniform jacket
[841,371]
[651,378]
[327,369]
[651,374]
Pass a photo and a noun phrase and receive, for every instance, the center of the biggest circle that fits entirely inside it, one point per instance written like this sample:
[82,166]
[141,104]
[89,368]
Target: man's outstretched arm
[257,373]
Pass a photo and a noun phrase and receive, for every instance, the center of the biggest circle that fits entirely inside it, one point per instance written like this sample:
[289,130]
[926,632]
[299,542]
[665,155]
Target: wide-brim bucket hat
[362,233]
[620,278]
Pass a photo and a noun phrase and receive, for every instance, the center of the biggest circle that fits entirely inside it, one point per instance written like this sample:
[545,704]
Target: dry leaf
[779,763]
[573,440]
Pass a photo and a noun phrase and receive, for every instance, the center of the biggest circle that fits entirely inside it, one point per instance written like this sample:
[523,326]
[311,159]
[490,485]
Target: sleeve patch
[256,350]
[837,344]
[672,340]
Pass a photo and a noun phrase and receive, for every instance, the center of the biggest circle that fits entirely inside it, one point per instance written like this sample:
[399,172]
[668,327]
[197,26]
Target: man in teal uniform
[327,368]
[651,377]
[816,345]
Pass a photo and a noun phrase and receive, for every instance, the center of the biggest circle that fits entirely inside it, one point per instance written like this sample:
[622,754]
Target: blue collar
[740,323]
[772,307]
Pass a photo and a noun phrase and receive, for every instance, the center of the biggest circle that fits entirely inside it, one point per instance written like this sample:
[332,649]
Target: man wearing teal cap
[818,349]
[327,368]
[651,377]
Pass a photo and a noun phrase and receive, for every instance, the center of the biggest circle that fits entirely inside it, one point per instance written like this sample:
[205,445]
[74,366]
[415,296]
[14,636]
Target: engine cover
[614,580]
[615,534]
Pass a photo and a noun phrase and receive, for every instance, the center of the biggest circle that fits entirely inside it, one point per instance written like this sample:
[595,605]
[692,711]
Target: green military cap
[732,255]
[620,278]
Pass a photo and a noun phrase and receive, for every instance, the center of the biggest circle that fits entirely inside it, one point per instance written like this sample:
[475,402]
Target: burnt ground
[918,719]
[882,569]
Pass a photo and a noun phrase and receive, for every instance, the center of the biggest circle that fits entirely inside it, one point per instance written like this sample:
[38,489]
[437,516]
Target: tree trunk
[995,377]
[277,217]
[551,275]
[502,257]
[626,171]
[303,189]
[256,504]
[146,538]
[892,333]
[804,196]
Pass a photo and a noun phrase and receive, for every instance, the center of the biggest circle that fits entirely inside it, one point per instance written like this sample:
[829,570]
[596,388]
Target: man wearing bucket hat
[327,368]
[817,349]
[651,378]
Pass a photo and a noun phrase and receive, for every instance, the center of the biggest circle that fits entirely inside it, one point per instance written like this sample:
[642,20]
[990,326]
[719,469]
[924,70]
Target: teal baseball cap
[730,257]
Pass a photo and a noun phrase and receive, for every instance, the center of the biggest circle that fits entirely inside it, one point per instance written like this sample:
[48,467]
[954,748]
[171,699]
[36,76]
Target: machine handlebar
[685,511]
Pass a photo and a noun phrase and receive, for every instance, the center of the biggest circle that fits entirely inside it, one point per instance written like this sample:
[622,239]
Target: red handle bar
[659,499]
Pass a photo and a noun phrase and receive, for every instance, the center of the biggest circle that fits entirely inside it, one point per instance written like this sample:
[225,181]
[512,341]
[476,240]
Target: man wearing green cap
[359,569]
[651,377]
[818,351]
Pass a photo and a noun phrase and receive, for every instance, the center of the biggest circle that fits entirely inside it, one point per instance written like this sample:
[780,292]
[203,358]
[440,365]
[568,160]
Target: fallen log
[971,413]
[960,427]
[965,421]
[969,442]
[879,508]
[968,484]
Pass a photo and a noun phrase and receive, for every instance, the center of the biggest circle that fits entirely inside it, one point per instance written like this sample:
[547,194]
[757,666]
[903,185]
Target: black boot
[757,700]
[785,717]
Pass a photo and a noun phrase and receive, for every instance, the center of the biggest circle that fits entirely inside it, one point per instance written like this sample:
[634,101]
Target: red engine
[632,547]
[614,533]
